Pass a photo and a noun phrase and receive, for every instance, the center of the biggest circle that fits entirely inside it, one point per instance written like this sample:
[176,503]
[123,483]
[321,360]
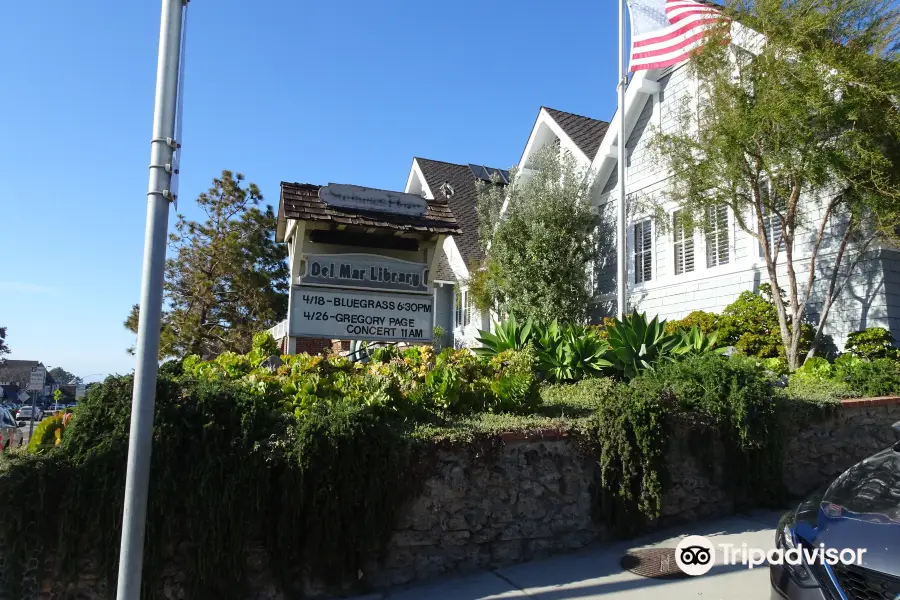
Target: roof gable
[585,132]
[463,202]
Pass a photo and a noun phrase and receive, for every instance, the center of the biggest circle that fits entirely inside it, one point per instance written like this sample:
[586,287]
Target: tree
[800,138]
[227,278]
[63,377]
[4,348]
[540,245]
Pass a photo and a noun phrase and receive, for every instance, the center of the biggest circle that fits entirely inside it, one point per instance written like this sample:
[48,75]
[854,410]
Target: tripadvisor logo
[695,555]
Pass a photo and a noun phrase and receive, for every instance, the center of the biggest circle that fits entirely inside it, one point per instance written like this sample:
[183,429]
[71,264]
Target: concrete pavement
[596,572]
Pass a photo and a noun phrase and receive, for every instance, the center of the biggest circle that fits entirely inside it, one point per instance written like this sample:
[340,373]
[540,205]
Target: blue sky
[343,91]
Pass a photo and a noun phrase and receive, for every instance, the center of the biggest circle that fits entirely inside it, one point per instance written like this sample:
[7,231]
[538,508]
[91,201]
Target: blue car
[859,510]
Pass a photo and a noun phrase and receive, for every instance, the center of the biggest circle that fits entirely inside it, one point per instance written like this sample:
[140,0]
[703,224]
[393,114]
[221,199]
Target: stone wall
[535,496]
[820,451]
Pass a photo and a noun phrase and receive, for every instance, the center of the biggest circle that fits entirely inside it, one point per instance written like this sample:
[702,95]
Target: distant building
[17,373]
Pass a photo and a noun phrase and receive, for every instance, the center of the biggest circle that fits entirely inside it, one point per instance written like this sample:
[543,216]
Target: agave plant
[637,345]
[586,353]
[570,352]
[695,342]
[508,335]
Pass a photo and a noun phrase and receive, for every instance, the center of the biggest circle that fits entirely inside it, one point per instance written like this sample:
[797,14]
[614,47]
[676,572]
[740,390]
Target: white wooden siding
[872,297]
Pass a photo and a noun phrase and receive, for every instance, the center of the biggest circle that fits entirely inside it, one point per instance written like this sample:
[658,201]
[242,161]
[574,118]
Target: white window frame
[712,239]
[634,252]
[463,308]
[686,242]
[771,224]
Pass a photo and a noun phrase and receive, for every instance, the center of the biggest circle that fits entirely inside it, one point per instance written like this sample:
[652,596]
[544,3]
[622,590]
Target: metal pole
[131,552]
[621,274]
[33,408]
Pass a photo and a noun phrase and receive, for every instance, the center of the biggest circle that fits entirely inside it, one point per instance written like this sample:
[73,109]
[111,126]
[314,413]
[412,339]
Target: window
[717,250]
[683,238]
[464,308]
[643,252]
[771,223]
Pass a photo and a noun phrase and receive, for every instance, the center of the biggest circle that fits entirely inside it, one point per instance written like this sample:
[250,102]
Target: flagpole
[621,275]
[140,441]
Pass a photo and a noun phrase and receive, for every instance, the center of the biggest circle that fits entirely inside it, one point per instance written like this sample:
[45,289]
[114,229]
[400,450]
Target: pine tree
[227,278]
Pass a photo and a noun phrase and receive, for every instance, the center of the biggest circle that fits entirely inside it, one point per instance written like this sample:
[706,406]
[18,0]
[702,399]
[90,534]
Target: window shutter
[771,222]
[683,244]
[643,257]
[717,238]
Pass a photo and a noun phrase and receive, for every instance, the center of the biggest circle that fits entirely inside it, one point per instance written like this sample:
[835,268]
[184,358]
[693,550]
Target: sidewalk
[595,572]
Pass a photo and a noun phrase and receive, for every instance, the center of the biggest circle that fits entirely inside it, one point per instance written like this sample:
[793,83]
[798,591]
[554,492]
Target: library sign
[362,297]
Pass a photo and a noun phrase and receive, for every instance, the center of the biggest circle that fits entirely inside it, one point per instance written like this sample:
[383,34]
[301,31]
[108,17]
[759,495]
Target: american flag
[666,32]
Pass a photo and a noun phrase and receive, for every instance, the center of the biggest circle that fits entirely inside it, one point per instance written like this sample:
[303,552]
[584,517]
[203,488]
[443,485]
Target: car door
[7,429]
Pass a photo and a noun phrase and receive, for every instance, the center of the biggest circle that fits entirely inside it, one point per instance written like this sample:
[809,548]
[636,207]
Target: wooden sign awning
[301,201]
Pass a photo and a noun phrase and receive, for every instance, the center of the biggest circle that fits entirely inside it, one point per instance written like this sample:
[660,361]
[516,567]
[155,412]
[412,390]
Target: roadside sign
[23,396]
[36,381]
[334,313]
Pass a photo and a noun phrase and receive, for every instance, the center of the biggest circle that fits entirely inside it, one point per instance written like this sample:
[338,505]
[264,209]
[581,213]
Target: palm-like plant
[508,335]
[570,352]
[695,342]
[637,344]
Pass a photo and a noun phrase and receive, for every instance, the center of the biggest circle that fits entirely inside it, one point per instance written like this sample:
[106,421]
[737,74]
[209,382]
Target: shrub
[872,343]
[319,490]
[508,335]
[819,391]
[778,366]
[706,322]
[733,395]
[566,352]
[462,383]
[815,368]
[750,324]
[45,435]
[407,380]
[879,377]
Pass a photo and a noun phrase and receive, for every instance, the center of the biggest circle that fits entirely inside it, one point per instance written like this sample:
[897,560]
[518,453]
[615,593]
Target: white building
[669,274]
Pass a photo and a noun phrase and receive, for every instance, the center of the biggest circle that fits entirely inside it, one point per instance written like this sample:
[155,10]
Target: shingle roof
[463,203]
[444,271]
[587,133]
[301,201]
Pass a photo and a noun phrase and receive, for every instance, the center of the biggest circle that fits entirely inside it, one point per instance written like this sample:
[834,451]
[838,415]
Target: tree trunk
[772,269]
[788,229]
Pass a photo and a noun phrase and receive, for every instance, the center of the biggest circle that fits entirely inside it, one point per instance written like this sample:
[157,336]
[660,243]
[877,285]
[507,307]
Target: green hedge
[312,460]
[229,466]
[732,397]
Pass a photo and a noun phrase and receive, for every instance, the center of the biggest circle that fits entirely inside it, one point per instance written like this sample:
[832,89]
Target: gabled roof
[585,132]
[463,202]
[301,201]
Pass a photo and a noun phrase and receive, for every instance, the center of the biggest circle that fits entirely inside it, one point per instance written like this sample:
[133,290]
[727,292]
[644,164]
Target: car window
[5,418]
